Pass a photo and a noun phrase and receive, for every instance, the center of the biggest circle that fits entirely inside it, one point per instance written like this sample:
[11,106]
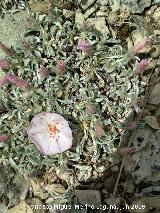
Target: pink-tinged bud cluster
[4,138]
[90,109]
[4,64]
[127,151]
[85,47]
[131,125]
[98,129]
[60,67]
[43,71]
[141,66]
[10,78]
[140,45]
[17,81]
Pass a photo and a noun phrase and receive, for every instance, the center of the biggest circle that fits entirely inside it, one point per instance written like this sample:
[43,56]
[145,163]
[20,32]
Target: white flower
[50,132]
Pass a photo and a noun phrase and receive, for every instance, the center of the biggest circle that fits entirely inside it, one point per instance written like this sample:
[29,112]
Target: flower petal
[50,132]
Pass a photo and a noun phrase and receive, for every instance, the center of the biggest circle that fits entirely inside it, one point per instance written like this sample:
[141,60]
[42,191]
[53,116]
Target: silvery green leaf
[99,100]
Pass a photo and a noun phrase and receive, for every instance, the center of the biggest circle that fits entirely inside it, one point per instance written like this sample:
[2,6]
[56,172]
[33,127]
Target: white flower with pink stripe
[51,133]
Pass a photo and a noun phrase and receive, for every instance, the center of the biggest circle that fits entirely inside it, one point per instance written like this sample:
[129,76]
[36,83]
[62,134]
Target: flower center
[52,129]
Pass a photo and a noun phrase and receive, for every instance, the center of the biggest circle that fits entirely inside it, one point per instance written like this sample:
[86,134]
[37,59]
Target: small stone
[85,4]
[22,184]
[100,169]
[89,12]
[136,6]
[156,15]
[141,203]
[89,197]
[103,8]
[156,52]
[102,14]
[112,18]
[151,121]
[102,2]
[100,25]
[13,27]
[68,13]
[99,186]
[22,207]
[154,96]
[114,4]
[157,2]
[3,208]
[109,184]
[79,18]
[34,203]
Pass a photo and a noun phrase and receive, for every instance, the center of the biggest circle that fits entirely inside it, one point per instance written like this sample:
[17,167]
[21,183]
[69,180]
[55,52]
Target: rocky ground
[129,183]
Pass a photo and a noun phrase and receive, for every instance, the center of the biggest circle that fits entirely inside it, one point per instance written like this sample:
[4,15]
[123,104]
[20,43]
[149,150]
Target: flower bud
[43,71]
[140,45]
[141,66]
[85,47]
[98,129]
[17,81]
[60,67]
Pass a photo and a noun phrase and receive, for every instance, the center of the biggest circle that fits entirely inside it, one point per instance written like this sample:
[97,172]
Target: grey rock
[13,27]
[102,13]
[100,25]
[68,13]
[156,52]
[79,18]
[154,96]
[114,4]
[102,2]
[13,186]
[112,18]
[156,2]
[136,6]
[89,197]
[86,3]
[89,12]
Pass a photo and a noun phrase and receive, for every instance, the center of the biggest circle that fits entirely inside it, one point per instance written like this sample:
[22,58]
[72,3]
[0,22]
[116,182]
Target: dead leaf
[151,121]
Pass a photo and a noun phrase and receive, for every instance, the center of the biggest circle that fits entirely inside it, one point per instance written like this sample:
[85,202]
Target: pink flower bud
[85,47]
[127,151]
[60,67]
[17,81]
[3,81]
[4,138]
[98,129]
[43,71]
[4,64]
[141,66]
[51,133]
[140,45]
[131,125]
[90,109]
